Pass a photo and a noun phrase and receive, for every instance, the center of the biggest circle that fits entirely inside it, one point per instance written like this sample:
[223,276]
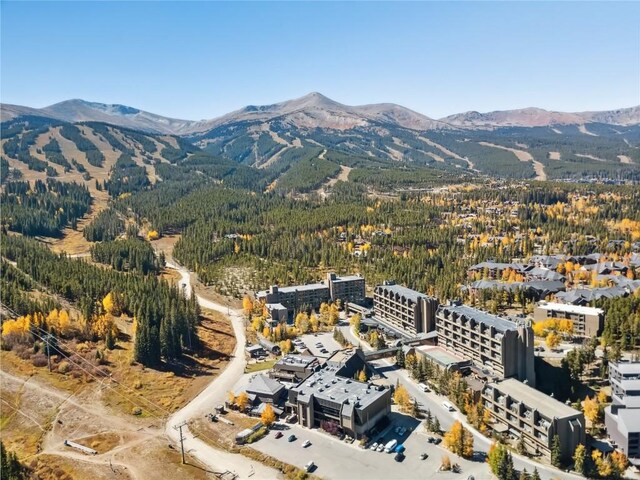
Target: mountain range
[317,111]
[379,143]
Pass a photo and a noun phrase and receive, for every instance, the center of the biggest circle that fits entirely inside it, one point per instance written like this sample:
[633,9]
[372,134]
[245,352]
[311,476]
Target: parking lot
[316,342]
[336,459]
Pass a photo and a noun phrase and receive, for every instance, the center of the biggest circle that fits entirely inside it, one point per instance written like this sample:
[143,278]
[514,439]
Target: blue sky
[200,60]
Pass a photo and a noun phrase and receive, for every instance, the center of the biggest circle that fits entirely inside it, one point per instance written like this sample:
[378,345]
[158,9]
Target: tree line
[165,321]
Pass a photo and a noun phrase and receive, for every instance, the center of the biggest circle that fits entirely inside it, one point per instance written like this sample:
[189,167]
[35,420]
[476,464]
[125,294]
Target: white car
[306,444]
[374,446]
[380,448]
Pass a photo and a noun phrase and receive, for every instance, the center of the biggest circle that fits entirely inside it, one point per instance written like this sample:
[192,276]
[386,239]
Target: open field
[121,416]
[260,366]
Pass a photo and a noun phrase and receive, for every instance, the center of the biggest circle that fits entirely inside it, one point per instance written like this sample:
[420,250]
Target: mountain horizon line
[78,110]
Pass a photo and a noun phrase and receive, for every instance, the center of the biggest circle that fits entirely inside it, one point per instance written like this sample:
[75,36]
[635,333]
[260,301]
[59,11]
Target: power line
[108,376]
[96,378]
[211,443]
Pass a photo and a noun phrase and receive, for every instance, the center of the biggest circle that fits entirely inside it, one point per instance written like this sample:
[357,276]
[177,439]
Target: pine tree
[535,475]
[10,467]
[109,339]
[400,358]
[579,459]
[429,421]
[509,471]
[556,452]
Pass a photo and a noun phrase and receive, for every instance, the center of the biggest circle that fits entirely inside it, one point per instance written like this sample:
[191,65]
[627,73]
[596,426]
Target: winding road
[215,394]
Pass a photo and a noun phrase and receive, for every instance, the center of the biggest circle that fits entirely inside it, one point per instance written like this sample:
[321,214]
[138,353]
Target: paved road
[214,394]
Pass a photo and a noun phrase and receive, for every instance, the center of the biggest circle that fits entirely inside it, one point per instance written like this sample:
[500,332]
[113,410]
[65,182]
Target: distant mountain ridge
[317,111]
[538,117]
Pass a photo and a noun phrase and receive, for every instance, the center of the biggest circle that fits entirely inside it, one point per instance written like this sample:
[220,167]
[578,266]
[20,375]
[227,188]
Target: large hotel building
[404,309]
[346,289]
[534,416]
[331,395]
[493,343]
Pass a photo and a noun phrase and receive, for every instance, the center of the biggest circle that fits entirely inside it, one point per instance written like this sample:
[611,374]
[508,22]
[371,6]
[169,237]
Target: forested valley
[242,228]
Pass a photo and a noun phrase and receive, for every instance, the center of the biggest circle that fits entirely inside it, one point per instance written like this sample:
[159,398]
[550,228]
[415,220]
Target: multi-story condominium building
[348,289]
[404,309]
[277,312]
[525,412]
[329,395]
[587,321]
[294,368]
[503,346]
[622,417]
[294,298]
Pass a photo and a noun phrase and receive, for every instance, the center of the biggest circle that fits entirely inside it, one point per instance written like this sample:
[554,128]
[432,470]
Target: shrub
[39,360]
[64,367]
[257,435]
[23,352]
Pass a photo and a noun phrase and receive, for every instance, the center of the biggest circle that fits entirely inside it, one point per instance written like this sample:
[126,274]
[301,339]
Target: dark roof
[500,324]
[261,384]
[585,295]
[326,384]
[403,292]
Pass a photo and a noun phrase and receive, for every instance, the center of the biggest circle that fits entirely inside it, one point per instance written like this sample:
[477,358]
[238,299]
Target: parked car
[437,440]
[448,406]
[374,446]
[399,457]
[278,434]
[306,444]
[391,445]
[402,431]
[309,466]
[291,438]
[424,456]
[380,448]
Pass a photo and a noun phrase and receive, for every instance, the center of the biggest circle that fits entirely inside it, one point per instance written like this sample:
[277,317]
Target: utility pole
[182,439]
[47,340]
